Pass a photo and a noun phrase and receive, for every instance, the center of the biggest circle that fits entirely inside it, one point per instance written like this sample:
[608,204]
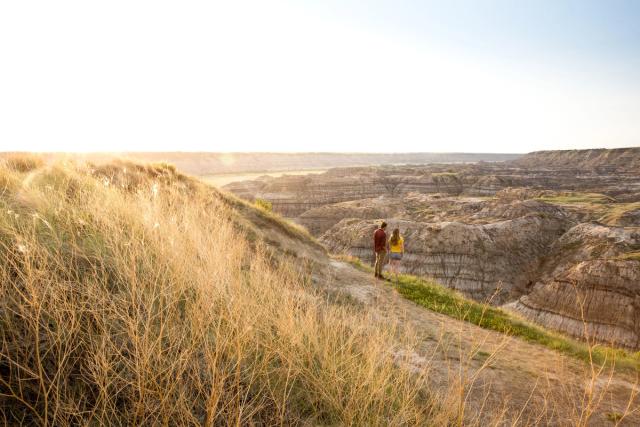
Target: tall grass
[22,162]
[131,297]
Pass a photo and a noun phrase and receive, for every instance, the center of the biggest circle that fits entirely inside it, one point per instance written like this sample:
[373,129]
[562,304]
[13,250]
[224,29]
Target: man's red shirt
[379,240]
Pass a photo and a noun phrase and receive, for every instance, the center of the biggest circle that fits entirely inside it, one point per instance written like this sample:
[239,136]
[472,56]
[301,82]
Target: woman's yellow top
[398,247]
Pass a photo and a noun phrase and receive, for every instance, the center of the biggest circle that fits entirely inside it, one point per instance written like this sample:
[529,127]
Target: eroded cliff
[553,234]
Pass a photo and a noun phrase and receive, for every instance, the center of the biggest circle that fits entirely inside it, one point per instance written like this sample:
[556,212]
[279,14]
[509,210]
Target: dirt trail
[499,372]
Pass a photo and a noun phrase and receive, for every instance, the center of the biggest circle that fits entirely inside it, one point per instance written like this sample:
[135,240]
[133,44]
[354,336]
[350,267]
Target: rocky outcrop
[319,220]
[520,233]
[597,161]
[411,207]
[497,261]
[630,218]
[588,286]
[293,195]
[522,193]
[503,209]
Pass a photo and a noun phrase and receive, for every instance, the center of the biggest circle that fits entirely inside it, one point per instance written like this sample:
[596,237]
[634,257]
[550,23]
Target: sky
[322,76]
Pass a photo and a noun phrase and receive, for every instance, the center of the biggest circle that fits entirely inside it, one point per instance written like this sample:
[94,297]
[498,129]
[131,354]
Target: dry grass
[617,211]
[132,295]
[581,198]
[133,299]
[22,162]
[635,256]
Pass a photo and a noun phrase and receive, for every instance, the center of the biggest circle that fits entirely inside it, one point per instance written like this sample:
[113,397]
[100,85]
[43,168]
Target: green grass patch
[633,256]
[446,301]
[616,211]
[577,198]
[445,174]
[265,205]
[614,417]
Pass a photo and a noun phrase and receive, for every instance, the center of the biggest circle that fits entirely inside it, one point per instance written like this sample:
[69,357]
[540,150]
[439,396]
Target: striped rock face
[553,235]
[582,282]
[590,285]
[497,261]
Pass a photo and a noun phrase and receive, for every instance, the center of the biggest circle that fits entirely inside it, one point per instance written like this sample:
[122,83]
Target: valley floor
[494,375]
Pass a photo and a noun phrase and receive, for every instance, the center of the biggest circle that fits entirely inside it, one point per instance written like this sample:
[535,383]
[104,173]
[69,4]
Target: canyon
[553,236]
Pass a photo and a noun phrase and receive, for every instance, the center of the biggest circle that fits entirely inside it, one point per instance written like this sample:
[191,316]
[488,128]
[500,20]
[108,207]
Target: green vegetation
[449,302]
[634,256]
[577,198]
[265,205]
[599,206]
[614,417]
[616,211]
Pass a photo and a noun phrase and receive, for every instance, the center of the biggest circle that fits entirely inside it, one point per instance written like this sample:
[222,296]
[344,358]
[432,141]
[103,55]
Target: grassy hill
[134,295]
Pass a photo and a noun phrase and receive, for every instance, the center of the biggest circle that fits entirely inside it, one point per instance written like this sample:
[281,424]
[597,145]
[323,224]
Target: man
[380,248]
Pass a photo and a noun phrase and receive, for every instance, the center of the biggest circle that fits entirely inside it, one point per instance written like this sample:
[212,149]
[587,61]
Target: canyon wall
[552,235]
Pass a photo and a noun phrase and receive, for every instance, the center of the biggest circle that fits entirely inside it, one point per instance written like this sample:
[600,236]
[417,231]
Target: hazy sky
[481,76]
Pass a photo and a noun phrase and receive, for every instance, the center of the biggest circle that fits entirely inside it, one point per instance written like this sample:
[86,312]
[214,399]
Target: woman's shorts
[396,255]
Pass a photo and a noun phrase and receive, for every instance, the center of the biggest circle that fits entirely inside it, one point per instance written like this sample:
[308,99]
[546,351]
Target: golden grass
[583,198]
[22,162]
[130,301]
[132,295]
[616,211]
[634,256]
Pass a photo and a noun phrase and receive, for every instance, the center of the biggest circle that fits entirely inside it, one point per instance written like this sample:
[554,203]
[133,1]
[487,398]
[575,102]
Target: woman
[396,249]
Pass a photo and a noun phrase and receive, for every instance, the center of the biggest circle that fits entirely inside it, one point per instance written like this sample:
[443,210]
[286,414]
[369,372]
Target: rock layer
[293,195]
[521,233]
[589,287]
[497,261]
[599,161]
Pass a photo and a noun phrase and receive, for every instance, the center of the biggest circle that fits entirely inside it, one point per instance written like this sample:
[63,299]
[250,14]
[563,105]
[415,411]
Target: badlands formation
[553,235]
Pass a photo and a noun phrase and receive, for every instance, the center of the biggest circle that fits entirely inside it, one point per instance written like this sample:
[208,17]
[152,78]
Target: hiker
[380,249]
[396,251]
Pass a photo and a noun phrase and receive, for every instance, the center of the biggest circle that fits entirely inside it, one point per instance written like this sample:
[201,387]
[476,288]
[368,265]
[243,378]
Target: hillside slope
[617,159]
[133,295]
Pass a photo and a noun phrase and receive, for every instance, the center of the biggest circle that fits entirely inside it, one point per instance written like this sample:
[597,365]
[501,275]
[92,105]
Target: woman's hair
[395,236]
